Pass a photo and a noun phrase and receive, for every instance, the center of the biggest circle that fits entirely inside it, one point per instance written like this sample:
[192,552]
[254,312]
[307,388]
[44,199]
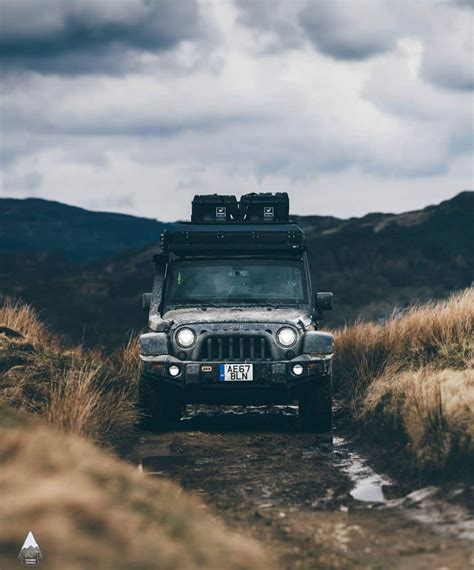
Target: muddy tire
[158,407]
[315,406]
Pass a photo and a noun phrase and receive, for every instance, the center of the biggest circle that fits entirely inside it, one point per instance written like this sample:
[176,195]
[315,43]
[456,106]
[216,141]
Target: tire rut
[294,492]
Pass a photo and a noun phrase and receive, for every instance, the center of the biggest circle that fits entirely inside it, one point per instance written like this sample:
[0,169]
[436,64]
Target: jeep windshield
[227,282]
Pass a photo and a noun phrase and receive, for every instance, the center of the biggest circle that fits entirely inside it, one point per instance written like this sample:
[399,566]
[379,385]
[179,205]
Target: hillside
[381,261]
[372,264]
[35,225]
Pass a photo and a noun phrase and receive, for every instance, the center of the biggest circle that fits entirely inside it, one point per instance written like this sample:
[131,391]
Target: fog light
[174,370]
[297,370]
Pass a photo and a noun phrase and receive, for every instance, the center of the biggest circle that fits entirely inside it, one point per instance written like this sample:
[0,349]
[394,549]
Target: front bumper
[207,374]
[200,383]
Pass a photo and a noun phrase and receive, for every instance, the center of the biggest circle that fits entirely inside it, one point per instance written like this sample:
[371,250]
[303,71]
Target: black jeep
[232,316]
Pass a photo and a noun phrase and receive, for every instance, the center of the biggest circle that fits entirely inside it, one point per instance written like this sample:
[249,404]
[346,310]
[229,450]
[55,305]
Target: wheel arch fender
[317,342]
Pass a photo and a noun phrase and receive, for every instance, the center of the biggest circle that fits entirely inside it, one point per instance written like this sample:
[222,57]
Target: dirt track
[310,499]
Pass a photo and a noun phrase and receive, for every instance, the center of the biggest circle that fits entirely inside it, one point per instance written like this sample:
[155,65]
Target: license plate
[236,372]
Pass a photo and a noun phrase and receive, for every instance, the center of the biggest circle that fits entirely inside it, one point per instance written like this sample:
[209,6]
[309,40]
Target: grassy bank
[410,383]
[90,510]
[76,390]
[86,508]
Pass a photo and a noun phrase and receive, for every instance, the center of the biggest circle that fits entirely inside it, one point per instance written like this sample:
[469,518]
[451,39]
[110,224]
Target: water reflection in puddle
[368,485]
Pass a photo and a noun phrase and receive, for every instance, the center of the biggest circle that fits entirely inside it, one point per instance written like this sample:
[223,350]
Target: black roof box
[215,208]
[265,207]
[252,208]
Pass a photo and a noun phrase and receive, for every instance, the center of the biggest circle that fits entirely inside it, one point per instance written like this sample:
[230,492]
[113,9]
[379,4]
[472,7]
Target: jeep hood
[187,316]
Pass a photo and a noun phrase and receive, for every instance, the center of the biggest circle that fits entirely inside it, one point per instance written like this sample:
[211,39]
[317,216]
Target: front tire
[158,406]
[315,406]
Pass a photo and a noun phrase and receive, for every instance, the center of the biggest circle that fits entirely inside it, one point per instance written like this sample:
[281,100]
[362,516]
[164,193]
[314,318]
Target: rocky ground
[312,500]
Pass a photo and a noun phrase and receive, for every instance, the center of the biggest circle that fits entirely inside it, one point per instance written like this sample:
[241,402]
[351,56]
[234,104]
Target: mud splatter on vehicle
[232,315]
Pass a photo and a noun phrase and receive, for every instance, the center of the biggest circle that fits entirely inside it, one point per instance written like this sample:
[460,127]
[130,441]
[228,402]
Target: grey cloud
[89,36]
[465,3]
[355,31]
[276,17]
[448,48]
[349,30]
[19,182]
[342,30]
[443,117]
[448,78]
[230,114]
[449,64]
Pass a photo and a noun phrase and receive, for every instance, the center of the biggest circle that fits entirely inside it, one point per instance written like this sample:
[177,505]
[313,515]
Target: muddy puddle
[253,467]
[369,486]
[434,507]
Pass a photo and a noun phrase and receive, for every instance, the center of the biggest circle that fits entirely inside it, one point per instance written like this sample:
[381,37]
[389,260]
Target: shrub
[432,410]
[437,334]
[412,380]
[76,390]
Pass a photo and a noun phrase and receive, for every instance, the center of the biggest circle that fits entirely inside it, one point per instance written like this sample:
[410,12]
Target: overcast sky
[136,105]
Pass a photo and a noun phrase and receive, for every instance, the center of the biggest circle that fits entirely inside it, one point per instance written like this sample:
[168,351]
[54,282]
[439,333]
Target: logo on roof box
[221,212]
[268,212]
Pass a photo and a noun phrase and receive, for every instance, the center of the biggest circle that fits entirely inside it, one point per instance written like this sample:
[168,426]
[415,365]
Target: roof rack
[235,238]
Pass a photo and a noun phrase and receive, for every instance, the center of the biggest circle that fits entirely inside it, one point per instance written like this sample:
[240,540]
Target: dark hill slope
[77,234]
[372,264]
[384,260]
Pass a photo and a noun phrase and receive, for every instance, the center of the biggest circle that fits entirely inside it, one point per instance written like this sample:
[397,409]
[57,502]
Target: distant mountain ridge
[50,227]
[380,261]
[372,264]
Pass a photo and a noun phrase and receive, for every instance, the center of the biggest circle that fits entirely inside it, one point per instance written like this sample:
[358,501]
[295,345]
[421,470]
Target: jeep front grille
[235,347]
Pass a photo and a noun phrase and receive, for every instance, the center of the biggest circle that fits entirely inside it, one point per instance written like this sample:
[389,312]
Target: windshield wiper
[209,304]
[279,305]
[259,305]
[196,305]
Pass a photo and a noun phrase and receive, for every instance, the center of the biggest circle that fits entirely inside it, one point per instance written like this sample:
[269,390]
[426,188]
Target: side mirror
[146,301]
[323,301]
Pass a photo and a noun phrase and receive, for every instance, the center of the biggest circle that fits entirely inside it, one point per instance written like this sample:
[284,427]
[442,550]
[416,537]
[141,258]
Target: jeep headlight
[185,338]
[286,337]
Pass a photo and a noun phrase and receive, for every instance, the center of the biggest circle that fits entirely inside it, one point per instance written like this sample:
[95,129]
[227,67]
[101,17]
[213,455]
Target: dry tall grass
[89,510]
[413,379]
[21,317]
[433,409]
[126,361]
[76,390]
